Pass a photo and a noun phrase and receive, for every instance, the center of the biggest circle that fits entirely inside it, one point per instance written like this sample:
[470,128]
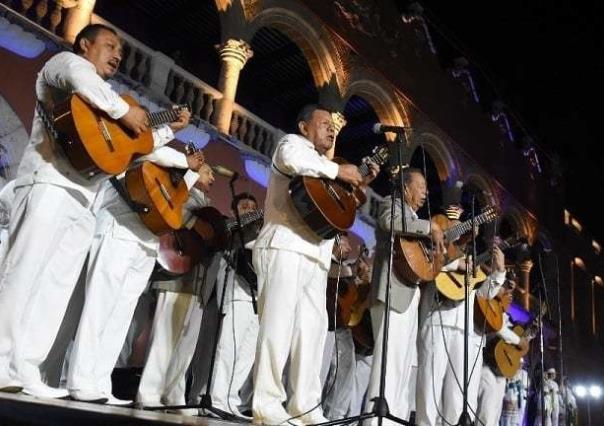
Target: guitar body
[181,250]
[452,284]
[360,305]
[507,357]
[94,142]
[415,261]
[153,186]
[346,297]
[488,313]
[326,206]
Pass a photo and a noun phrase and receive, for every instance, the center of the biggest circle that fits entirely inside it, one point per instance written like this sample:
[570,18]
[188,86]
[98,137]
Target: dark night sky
[545,62]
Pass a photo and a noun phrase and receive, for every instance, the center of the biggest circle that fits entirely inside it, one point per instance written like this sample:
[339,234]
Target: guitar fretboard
[163,117]
[485,257]
[246,219]
[379,158]
[457,231]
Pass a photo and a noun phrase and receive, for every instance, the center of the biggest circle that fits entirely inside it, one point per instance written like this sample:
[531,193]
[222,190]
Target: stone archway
[446,164]
[299,24]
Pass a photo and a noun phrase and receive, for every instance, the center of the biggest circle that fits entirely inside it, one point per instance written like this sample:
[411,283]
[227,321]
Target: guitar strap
[47,119]
[134,205]
[275,168]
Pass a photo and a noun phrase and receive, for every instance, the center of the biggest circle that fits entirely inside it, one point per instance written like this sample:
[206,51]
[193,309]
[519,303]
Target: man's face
[319,130]
[105,53]
[416,191]
[245,206]
[206,178]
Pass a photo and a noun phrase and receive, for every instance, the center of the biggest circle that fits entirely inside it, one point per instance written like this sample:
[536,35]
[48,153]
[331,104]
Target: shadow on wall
[13,139]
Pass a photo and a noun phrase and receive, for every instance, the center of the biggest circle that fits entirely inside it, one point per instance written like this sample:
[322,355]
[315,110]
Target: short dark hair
[408,173]
[90,32]
[307,111]
[240,197]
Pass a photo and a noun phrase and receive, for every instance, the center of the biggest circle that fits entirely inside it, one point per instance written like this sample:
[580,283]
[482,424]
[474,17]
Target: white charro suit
[291,263]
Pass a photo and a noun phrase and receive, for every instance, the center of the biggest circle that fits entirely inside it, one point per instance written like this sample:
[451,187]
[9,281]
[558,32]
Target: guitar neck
[163,117]
[246,219]
[457,231]
[485,257]
[378,158]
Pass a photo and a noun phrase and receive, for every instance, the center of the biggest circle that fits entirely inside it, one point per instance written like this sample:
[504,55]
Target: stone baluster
[234,54]
[41,10]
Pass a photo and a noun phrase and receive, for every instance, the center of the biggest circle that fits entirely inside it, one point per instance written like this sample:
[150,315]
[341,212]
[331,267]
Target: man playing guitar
[52,222]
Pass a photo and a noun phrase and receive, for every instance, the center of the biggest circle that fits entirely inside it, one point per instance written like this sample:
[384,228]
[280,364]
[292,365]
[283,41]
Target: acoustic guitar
[329,206]
[451,284]
[94,142]
[488,313]
[181,250]
[162,191]
[415,261]
[506,358]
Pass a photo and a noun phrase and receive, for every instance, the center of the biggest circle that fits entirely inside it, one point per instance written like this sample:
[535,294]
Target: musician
[339,359]
[404,297]
[492,386]
[441,349]
[231,389]
[292,264]
[178,317]
[552,403]
[53,223]
[7,197]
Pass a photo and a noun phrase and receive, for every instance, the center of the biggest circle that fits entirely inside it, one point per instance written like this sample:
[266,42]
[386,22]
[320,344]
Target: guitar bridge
[164,193]
[105,132]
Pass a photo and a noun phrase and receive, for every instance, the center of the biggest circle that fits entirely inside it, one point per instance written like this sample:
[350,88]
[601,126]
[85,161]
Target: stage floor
[22,410]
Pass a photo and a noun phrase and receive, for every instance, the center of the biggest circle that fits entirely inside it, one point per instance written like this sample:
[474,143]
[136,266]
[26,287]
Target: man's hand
[195,160]
[183,121]
[374,170]
[349,173]
[136,119]
[439,239]
[498,259]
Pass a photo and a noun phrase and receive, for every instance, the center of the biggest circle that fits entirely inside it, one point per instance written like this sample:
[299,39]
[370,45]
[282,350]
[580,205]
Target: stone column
[338,122]
[525,270]
[234,54]
[77,18]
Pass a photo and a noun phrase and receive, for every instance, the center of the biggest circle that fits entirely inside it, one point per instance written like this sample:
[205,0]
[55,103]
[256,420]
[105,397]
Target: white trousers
[400,358]
[361,383]
[338,388]
[235,356]
[172,343]
[49,236]
[490,397]
[293,323]
[118,272]
[440,375]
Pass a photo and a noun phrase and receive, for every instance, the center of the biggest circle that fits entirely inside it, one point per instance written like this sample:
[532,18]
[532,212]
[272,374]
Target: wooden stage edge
[22,410]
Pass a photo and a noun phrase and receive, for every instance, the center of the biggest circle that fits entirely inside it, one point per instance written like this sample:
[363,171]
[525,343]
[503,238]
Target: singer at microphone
[379,128]
[223,171]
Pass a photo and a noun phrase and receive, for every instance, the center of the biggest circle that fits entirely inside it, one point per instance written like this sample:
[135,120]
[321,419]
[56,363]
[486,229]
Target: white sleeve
[162,135]
[491,286]
[166,157]
[74,74]
[294,158]
[508,335]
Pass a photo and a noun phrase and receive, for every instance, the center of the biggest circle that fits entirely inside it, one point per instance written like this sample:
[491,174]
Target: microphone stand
[206,399]
[464,418]
[542,293]
[380,405]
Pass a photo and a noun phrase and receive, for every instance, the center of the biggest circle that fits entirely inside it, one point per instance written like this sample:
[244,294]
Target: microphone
[223,171]
[379,128]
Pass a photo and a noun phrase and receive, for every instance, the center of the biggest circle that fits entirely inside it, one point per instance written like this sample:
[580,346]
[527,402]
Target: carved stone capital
[235,51]
[338,121]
